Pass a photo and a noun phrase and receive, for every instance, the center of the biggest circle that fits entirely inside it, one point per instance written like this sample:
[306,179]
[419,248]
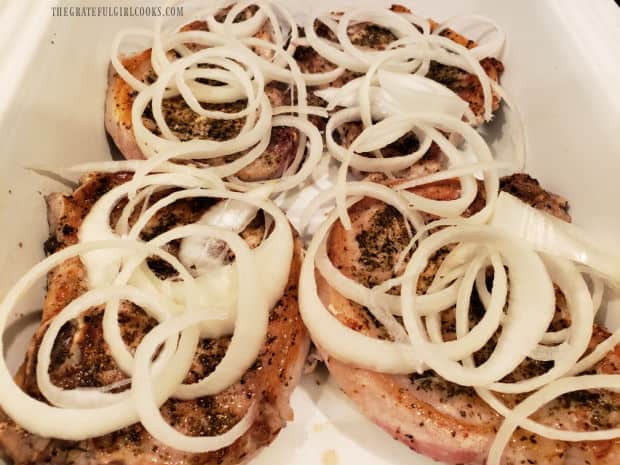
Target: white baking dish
[562,69]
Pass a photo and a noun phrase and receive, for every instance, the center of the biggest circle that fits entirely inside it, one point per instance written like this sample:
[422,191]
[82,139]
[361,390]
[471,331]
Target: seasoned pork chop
[80,357]
[188,125]
[442,420]
[372,36]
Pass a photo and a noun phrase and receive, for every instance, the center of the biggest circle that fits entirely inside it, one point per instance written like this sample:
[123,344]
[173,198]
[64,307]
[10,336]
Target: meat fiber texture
[80,357]
[432,416]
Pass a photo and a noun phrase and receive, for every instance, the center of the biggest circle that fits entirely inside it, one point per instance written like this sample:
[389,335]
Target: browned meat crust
[437,418]
[80,358]
[466,85]
[529,190]
[188,125]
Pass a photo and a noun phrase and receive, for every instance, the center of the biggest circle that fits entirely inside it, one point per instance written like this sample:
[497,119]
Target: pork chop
[432,416]
[80,357]
[187,124]
[372,36]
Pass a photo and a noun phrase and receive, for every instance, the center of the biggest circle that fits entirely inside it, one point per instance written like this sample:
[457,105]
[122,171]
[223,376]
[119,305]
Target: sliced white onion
[243,28]
[159,59]
[370,164]
[383,17]
[147,405]
[101,266]
[310,110]
[475,338]
[274,253]
[598,354]
[196,252]
[143,197]
[328,49]
[116,63]
[398,93]
[518,416]
[450,53]
[85,397]
[490,48]
[393,86]
[253,306]
[427,303]
[111,329]
[579,303]
[74,424]
[553,236]
[315,153]
[531,306]
[327,332]
[317,79]
[151,144]
[400,86]
[207,177]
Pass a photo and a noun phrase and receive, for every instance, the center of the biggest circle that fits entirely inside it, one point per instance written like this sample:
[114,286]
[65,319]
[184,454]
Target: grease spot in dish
[329,457]
[319,427]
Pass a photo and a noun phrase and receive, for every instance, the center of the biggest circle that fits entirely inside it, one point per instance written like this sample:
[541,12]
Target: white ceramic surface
[562,69]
